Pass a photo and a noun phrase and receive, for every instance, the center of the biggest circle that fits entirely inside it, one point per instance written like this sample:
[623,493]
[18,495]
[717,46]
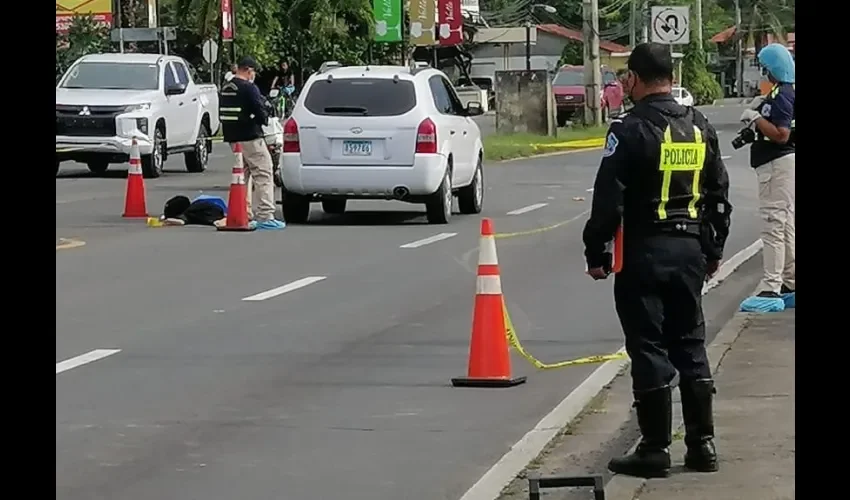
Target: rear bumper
[421,178]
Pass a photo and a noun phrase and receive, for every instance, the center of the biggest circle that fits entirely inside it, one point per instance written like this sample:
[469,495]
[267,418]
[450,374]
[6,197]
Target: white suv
[381,132]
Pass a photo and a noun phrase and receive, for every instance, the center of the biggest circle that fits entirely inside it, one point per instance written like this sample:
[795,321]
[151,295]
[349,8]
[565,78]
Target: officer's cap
[651,62]
[247,62]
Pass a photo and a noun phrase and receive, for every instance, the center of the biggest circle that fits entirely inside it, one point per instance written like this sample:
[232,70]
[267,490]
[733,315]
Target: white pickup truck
[104,101]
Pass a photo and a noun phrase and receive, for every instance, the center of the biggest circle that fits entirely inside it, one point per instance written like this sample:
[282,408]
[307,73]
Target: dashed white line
[289,287]
[525,210]
[428,240]
[725,157]
[83,359]
[589,190]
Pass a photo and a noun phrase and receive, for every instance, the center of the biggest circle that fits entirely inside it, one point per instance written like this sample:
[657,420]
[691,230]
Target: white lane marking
[289,287]
[83,359]
[589,190]
[525,210]
[725,157]
[491,484]
[428,240]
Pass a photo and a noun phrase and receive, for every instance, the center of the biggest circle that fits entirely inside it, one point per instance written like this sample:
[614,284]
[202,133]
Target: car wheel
[470,199]
[198,160]
[605,114]
[57,166]
[296,208]
[152,164]
[277,177]
[97,167]
[336,207]
[562,120]
[438,208]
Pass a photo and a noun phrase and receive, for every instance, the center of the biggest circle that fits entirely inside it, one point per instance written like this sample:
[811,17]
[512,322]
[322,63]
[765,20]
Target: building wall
[525,103]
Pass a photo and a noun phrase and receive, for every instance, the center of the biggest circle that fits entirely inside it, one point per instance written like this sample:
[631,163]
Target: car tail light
[426,137]
[291,143]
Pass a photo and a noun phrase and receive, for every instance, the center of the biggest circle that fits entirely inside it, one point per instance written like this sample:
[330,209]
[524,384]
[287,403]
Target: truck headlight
[137,107]
[142,125]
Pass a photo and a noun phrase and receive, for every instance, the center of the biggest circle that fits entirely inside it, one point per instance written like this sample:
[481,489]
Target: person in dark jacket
[663,179]
[243,114]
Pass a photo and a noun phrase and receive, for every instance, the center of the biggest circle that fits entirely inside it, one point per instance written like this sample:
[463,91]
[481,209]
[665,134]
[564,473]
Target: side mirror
[473,108]
[273,93]
[176,89]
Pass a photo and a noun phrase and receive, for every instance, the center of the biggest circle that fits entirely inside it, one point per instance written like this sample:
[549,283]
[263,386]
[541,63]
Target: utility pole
[592,76]
[644,21]
[739,51]
[632,24]
[528,41]
[699,24]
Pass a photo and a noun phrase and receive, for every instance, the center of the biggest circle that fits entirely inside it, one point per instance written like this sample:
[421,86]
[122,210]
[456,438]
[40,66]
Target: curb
[629,488]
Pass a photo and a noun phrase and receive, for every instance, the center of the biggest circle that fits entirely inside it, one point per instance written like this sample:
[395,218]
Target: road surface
[333,380]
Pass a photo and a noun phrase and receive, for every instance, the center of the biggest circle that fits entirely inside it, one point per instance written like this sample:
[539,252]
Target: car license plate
[357,148]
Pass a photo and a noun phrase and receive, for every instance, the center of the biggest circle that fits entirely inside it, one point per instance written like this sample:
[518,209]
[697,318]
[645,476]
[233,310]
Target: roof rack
[417,66]
[329,65]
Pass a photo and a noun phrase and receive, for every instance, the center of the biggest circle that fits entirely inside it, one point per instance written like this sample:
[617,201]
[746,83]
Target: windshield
[569,78]
[115,76]
[677,92]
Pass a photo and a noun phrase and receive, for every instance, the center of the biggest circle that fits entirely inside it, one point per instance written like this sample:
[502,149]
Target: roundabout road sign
[671,25]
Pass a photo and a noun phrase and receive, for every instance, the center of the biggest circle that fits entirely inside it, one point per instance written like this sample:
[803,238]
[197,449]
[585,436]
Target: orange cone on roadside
[489,357]
[237,208]
[134,200]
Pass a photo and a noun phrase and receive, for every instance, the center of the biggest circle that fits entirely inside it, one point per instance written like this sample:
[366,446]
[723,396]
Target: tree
[85,36]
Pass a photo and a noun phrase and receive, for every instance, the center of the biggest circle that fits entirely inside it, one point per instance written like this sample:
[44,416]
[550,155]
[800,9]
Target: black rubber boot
[697,396]
[655,418]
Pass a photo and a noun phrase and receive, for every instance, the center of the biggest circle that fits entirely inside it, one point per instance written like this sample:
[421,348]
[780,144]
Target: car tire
[606,114]
[57,166]
[438,208]
[334,207]
[562,120]
[97,167]
[153,163]
[470,199]
[277,177]
[296,208]
[198,160]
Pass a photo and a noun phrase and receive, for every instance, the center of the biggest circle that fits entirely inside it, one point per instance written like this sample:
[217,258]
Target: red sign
[63,21]
[226,20]
[450,22]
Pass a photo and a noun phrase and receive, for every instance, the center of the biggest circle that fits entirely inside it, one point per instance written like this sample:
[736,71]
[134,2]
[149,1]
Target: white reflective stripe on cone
[488,285]
[487,251]
[237,178]
[135,167]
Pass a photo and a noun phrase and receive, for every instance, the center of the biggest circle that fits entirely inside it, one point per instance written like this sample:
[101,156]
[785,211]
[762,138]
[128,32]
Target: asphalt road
[338,389]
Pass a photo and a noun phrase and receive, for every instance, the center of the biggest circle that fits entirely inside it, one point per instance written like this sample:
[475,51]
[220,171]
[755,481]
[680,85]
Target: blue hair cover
[779,62]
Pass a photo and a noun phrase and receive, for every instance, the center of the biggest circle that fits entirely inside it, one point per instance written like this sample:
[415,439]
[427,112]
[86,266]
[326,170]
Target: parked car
[568,87]
[381,132]
[682,96]
[104,101]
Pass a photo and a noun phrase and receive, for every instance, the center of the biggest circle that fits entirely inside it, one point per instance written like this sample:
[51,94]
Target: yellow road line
[67,243]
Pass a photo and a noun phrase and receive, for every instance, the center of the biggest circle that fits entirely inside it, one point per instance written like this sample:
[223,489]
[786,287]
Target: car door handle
[452,132]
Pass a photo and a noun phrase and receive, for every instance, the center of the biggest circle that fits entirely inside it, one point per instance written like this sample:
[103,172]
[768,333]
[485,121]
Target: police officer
[243,114]
[661,176]
[773,157]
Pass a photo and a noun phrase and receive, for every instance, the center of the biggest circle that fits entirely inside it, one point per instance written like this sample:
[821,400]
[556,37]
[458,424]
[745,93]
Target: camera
[745,136]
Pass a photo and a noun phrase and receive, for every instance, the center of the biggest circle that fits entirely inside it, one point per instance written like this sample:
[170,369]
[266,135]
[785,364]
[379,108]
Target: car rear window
[360,97]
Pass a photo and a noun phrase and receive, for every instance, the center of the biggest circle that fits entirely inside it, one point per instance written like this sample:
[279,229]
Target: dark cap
[652,62]
[247,62]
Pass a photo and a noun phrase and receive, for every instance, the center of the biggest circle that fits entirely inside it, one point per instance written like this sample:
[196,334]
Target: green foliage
[696,78]
[85,36]
[573,53]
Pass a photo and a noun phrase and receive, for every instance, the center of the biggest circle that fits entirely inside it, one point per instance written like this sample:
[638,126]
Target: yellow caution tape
[540,365]
[529,232]
[596,142]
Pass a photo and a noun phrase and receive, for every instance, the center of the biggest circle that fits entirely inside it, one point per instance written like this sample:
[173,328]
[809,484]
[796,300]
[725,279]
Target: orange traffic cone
[237,208]
[134,200]
[489,357]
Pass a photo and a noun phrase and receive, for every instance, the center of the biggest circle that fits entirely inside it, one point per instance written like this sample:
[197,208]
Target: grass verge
[509,146]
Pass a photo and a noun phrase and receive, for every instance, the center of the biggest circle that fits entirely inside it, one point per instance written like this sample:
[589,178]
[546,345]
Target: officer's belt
[671,228]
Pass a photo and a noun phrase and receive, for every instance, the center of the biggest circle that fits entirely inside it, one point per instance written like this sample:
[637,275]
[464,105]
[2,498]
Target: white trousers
[776,199]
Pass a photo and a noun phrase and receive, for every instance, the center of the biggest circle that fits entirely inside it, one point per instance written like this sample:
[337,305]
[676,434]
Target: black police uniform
[662,177]
[242,111]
